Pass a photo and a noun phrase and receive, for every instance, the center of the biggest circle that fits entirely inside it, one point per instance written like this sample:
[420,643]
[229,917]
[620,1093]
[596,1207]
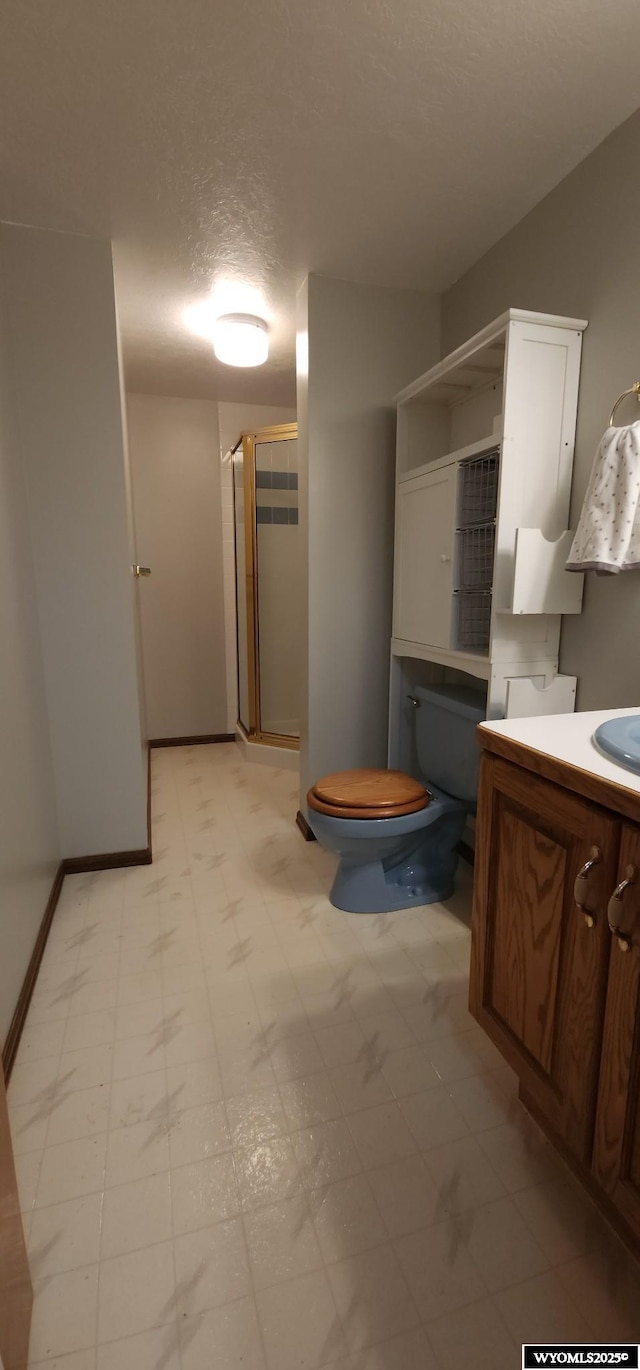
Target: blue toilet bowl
[395,863]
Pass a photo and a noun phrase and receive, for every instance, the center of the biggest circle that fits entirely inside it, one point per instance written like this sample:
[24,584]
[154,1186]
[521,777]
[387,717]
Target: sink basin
[620,739]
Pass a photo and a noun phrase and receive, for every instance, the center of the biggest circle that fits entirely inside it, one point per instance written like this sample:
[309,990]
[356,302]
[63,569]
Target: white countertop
[569,738]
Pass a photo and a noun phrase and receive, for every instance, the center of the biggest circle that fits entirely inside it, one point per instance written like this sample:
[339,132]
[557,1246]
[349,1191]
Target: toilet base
[422,871]
[366,889]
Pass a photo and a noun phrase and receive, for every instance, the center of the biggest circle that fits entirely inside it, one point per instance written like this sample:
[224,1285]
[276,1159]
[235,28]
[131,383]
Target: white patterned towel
[608,534]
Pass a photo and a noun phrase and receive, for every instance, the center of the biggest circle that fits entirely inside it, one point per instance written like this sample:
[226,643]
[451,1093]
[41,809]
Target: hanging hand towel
[608,535]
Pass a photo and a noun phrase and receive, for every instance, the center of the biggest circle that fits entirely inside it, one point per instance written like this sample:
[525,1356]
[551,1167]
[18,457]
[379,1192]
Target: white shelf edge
[479,666]
[492,333]
[471,450]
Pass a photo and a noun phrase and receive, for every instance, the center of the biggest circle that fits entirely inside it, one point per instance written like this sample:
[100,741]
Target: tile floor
[254,1133]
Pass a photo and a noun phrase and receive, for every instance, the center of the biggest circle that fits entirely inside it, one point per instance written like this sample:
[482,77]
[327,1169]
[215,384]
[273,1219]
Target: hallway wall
[63,341]
[29,843]
[175,471]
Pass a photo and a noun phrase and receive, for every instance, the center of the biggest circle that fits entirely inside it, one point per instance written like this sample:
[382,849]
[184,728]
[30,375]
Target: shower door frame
[280,432]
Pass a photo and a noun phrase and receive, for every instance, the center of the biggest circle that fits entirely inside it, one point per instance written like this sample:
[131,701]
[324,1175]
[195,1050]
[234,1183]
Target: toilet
[396,834]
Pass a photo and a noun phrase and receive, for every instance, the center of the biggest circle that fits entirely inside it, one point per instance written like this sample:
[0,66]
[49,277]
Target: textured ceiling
[381,140]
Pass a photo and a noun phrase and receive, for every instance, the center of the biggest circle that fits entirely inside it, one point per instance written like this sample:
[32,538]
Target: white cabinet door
[423,580]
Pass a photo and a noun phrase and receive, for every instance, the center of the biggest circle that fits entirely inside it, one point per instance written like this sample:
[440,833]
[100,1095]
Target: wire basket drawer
[472,620]
[475,557]
[479,489]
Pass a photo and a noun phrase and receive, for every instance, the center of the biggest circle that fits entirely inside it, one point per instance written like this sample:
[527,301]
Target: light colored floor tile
[90,1030]
[29,1126]
[409,1351]
[309,1100]
[541,1310]
[563,1221]
[139,1055]
[65,1236]
[605,1287]
[433,1118]
[137,1291]
[520,1155]
[352,1076]
[197,1082]
[136,1215]
[381,1135]
[33,1083]
[360,1085]
[482,1103]
[157,1349]
[71,1169]
[282,1242]
[295,1056]
[256,1117]
[439,1270]
[346,1218]
[83,1113]
[140,1099]
[77,1360]
[266,1172]
[406,1195]
[299,1324]
[341,1043]
[462,1175]
[199,1132]
[204,1193]
[407,1071]
[64,1313]
[39,1041]
[325,1153]
[137,1151]
[372,1297]
[476,1336]
[227,1336]
[86,1067]
[212,1268]
[502,1246]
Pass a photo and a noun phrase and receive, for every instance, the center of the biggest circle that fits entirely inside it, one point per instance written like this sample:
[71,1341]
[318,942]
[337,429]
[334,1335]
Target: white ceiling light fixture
[241,340]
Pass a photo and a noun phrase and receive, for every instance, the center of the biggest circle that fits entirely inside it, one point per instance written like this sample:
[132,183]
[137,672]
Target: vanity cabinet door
[539,958]
[616,1157]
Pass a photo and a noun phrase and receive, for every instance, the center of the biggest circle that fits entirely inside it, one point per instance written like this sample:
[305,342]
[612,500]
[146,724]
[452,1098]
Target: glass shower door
[268,589]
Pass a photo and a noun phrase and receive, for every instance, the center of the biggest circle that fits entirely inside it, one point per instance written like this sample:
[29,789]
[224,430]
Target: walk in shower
[268,589]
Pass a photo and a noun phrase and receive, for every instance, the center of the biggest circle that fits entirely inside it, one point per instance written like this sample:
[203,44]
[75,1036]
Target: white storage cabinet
[483,480]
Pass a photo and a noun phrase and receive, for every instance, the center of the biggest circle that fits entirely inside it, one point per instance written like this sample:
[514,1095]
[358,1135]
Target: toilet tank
[446,746]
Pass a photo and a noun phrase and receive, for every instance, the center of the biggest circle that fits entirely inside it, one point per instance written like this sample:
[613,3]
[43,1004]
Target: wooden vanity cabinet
[616,1152]
[554,988]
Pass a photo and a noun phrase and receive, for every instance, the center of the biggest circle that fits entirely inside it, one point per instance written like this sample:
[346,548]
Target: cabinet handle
[581,885]
[614,909]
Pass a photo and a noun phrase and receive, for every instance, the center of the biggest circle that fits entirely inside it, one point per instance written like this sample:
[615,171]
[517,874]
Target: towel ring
[633,390]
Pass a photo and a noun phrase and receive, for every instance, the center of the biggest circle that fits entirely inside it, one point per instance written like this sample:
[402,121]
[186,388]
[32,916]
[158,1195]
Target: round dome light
[241,340]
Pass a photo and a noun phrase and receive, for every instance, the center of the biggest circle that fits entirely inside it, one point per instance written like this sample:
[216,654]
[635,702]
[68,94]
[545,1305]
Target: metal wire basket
[479,489]
[475,561]
[473,620]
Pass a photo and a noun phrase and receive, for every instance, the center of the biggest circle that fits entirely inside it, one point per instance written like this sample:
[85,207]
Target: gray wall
[29,845]
[357,346]
[62,336]
[174,449]
[577,254]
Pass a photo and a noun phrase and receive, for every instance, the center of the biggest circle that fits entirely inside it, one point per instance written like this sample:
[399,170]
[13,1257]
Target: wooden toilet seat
[367,793]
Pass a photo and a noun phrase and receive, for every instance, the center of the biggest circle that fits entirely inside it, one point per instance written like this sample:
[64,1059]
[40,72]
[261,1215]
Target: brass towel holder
[633,390]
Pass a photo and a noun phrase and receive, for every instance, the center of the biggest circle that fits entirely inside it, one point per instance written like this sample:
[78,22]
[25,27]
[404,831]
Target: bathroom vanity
[555,965]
